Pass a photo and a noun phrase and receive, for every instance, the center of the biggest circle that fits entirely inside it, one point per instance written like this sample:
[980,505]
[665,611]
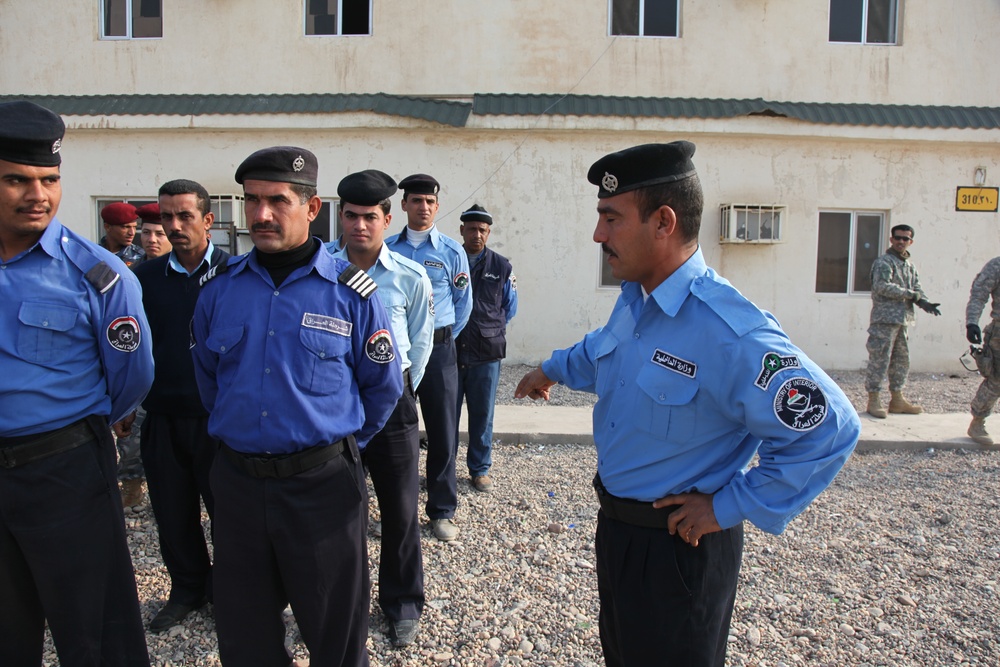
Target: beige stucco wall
[774,49]
[533,181]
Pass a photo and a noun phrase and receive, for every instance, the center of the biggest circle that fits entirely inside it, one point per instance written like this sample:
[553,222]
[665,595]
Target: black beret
[641,167]
[420,184]
[477,214]
[366,188]
[281,164]
[30,134]
[119,213]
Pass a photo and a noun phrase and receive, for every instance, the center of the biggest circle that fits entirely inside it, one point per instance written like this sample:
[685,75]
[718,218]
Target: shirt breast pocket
[45,331]
[322,363]
[667,408]
[227,344]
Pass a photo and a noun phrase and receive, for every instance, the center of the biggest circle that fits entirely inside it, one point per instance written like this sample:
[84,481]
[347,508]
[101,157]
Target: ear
[315,204]
[665,219]
[209,219]
[388,219]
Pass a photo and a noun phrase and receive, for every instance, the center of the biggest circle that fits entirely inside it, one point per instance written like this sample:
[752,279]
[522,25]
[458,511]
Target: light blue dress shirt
[447,266]
[695,381]
[66,350]
[176,265]
[406,292]
[282,369]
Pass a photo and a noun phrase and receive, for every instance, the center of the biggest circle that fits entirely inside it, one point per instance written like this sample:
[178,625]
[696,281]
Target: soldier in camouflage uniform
[895,290]
[986,285]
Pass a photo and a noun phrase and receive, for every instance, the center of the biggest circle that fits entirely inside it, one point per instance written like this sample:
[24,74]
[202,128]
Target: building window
[645,18]
[326,225]
[849,242]
[607,280]
[863,21]
[338,17]
[131,19]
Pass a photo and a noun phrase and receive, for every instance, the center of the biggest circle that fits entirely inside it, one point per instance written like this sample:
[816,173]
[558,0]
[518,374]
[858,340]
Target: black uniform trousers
[392,458]
[177,453]
[663,601]
[438,392]
[298,540]
[64,559]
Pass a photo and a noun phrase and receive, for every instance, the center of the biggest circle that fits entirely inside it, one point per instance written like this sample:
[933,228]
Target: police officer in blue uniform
[448,268]
[692,381]
[297,367]
[483,343]
[393,455]
[75,355]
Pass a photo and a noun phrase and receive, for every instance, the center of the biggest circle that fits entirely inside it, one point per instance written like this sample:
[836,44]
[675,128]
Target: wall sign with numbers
[976,199]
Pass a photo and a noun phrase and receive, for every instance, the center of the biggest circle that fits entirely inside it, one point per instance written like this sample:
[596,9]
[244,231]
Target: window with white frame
[849,243]
[131,19]
[864,21]
[338,17]
[327,223]
[645,18]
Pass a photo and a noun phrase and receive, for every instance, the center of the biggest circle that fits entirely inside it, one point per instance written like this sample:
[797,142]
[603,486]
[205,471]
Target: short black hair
[183,186]
[684,197]
[902,228]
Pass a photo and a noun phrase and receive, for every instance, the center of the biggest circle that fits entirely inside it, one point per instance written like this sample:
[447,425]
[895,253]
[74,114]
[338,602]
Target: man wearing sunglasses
[895,290]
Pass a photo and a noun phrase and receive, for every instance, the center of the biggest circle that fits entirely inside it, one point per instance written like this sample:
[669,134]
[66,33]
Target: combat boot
[132,492]
[977,431]
[875,408]
[901,406]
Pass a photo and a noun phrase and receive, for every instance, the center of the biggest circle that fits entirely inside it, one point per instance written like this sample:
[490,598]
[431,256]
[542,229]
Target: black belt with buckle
[19,450]
[443,334]
[284,465]
[635,512]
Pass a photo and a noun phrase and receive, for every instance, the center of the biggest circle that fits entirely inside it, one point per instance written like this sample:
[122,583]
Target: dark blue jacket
[494,302]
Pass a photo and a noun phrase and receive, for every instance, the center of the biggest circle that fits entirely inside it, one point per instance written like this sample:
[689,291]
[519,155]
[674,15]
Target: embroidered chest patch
[675,364]
[327,323]
[770,365]
[434,265]
[800,404]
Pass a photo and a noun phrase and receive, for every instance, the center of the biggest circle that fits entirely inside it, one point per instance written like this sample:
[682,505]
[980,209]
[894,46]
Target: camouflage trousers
[989,390]
[888,352]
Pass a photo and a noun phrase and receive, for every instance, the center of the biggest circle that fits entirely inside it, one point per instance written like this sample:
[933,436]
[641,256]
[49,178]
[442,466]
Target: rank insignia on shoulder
[102,277]
[212,273]
[771,364]
[800,404]
[358,280]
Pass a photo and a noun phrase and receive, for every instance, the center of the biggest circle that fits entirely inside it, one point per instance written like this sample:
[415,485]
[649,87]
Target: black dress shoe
[173,613]
[402,633]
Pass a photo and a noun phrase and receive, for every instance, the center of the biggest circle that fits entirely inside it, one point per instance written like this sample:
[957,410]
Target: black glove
[929,307]
[973,334]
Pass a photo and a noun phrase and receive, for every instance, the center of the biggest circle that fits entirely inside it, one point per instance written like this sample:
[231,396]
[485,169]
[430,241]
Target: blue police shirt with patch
[447,266]
[66,349]
[681,406]
[406,292]
[282,369]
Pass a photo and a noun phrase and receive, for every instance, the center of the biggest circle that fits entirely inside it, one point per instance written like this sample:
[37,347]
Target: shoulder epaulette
[213,272]
[102,277]
[731,306]
[358,280]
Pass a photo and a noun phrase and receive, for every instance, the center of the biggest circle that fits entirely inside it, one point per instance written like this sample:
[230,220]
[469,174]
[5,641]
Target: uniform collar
[671,293]
[51,240]
[385,257]
[322,262]
[434,236]
[174,263]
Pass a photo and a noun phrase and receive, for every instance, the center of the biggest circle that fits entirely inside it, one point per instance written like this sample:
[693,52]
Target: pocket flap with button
[665,387]
[225,339]
[48,316]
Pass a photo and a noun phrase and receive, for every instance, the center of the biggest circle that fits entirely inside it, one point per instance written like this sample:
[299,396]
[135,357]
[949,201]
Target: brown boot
[132,492]
[901,406]
[875,408]
[977,431]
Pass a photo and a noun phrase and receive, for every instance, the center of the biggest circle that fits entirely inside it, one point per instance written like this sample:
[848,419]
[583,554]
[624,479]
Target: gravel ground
[896,564]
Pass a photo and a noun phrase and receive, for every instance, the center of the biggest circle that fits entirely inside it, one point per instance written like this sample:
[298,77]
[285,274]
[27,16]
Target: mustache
[607,250]
[33,209]
[264,227]
[176,235]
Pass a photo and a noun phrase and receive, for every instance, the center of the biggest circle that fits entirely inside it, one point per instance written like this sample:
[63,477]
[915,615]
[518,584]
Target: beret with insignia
[119,213]
[30,134]
[642,167]
[280,164]
[477,214]
[149,212]
[366,188]
[420,184]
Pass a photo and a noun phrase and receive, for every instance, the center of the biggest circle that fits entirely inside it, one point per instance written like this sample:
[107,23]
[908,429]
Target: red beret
[119,213]
[149,212]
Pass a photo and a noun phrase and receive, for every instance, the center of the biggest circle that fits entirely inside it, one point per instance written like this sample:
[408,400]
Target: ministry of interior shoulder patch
[462,280]
[123,334]
[327,323]
[379,347]
[800,404]
[770,365]
[675,364]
